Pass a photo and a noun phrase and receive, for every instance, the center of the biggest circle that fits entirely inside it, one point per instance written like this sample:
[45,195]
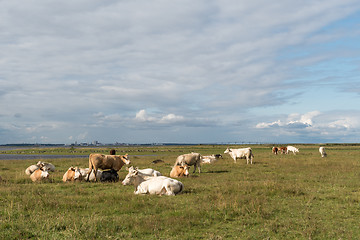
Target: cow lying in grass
[46,166]
[152,185]
[179,171]
[146,172]
[39,174]
[72,174]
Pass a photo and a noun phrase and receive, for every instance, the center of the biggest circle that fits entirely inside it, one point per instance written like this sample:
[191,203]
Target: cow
[283,150]
[210,159]
[72,174]
[292,149]
[112,152]
[179,171]
[190,159]
[153,185]
[109,176]
[275,150]
[48,166]
[241,153]
[322,152]
[146,172]
[102,161]
[91,177]
[39,174]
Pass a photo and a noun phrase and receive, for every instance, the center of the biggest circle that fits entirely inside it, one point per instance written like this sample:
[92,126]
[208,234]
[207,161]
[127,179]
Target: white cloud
[82,65]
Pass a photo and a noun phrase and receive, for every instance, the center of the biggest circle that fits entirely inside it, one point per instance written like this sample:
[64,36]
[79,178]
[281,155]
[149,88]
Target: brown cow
[39,174]
[103,162]
[72,174]
[275,150]
[179,171]
[283,150]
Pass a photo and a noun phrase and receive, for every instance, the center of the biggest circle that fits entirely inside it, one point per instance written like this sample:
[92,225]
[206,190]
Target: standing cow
[292,149]
[102,161]
[275,150]
[241,153]
[322,152]
[190,159]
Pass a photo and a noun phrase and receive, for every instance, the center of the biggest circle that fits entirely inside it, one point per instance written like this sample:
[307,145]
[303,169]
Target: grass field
[279,197]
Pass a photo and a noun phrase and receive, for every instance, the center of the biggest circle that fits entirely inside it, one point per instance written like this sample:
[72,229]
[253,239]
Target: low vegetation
[299,196]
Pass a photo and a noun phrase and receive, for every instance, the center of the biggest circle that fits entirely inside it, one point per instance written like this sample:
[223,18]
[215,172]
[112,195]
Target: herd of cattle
[146,181]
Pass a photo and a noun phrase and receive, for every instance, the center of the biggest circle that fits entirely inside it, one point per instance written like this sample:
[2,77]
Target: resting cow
[72,174]
[322,152]
[102,161]
[90,177]
[210,159]
[109,176]
[241,153]
[179,171]
[46,166]
[39,175]
[190,159]
[153,185]
[292,149]
[146,172]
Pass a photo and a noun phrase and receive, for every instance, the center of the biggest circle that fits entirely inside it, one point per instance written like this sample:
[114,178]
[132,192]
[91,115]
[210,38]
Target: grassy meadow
[299,196]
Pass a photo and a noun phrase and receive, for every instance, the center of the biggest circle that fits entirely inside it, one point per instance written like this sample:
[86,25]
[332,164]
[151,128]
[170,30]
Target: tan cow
[102,161]
[72,174]
[179,171]
[190,159]
[39,175]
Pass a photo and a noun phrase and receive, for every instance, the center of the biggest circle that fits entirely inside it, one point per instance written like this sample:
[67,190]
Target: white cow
[84,174]
[292,149]
[146,172]
[322,152]
[153,185]
[241,153]
[210,159]
[46,166]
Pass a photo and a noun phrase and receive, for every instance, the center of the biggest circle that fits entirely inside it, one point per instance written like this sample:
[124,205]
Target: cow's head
[44,173]
[228,150]
[185,170]
[125,159]
[130,177]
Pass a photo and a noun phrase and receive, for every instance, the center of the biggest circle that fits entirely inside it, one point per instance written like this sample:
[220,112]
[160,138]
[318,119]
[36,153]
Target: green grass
[279,197]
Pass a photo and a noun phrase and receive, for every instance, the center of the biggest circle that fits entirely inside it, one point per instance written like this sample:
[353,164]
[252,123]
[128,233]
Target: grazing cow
[210,159]
[190,159]
[275,150]
[292,149]
[179,171]
[146,172]
[109,176]
[72,174]
[91,177]
[241,153]
[153,185]
[101,161]
[39,175]
[48,166]
[322,152]
[112,152]
[283,150]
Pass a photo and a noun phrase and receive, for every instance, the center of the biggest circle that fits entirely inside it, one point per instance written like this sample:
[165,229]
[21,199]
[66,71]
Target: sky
[205,71]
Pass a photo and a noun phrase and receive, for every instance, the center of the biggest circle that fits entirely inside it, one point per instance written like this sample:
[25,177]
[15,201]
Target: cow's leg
[247,159]
[199,167]
[90,170]
[194,168]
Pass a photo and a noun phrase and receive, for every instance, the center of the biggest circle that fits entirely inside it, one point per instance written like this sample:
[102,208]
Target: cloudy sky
[205,71]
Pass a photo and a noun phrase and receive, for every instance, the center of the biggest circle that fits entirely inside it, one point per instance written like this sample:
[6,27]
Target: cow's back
[102,161]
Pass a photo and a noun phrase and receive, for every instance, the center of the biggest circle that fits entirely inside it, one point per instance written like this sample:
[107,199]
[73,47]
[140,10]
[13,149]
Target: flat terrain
[299,196]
